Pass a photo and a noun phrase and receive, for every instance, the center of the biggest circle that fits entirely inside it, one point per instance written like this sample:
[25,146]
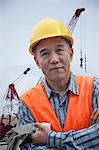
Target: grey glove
[17,135]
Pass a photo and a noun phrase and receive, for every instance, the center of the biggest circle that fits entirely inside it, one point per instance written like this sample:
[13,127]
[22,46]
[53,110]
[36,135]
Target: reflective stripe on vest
[79,107]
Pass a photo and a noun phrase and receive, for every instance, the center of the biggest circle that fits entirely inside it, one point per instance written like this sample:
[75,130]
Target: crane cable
[83,57]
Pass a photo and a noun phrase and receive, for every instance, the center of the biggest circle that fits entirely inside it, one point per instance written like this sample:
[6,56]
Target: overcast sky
[17,18]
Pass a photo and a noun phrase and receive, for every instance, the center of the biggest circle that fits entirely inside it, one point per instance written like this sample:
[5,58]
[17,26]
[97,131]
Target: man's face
[53,57]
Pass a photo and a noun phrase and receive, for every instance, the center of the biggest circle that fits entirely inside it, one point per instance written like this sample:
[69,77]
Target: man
[69,103]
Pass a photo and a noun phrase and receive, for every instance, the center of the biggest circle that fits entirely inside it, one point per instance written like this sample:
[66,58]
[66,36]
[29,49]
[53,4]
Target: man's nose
[54,58]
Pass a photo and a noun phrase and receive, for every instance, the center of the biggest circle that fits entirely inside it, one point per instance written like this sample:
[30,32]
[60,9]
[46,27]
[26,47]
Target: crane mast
[71,27]
[73,21]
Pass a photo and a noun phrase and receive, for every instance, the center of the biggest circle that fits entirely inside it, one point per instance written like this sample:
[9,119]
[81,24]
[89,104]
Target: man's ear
[71,54]
[36,61]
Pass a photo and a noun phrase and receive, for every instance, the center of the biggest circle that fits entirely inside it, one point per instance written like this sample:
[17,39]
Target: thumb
[39,125]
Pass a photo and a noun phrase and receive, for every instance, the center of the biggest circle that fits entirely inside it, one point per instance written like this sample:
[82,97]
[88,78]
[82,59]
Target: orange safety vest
[79,106]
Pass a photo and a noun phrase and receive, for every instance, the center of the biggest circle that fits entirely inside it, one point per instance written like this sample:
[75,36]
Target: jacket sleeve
[24,115]
[95,94]
[83,139]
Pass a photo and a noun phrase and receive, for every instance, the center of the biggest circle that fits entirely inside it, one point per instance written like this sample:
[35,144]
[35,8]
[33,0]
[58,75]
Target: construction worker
[67,102]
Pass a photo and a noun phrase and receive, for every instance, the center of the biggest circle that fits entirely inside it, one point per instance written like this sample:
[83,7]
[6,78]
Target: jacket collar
[71,86]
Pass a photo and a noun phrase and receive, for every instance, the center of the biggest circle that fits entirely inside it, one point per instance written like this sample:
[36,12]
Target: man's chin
[57,77]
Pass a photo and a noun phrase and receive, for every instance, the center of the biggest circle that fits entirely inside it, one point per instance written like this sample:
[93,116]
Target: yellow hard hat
[47,28]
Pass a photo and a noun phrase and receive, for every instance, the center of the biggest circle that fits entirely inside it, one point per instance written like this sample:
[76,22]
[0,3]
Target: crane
[71,27]
[73,21]
[9,117]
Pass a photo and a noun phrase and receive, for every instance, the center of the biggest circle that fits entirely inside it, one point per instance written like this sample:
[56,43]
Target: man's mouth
[56,68]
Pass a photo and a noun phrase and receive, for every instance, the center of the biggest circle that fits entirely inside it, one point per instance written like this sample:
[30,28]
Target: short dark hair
[69,42]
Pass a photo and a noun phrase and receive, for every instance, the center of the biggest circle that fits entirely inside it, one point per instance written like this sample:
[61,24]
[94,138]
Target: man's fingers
[92,121]
[41,132]
[97,119]
[97,116]
[39,125]
[94,112]
[94,117]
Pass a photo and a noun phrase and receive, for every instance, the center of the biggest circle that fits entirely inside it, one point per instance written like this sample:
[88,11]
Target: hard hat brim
[34,42]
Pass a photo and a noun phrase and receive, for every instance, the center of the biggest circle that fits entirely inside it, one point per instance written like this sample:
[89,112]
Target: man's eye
[60,50]
[44,54]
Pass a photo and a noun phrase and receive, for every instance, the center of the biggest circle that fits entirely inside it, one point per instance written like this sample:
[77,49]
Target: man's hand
[94,117]
[40,136]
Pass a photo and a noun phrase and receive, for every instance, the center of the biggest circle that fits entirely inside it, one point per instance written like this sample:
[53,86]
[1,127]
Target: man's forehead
[58,41]
[47,48]
[50,42]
